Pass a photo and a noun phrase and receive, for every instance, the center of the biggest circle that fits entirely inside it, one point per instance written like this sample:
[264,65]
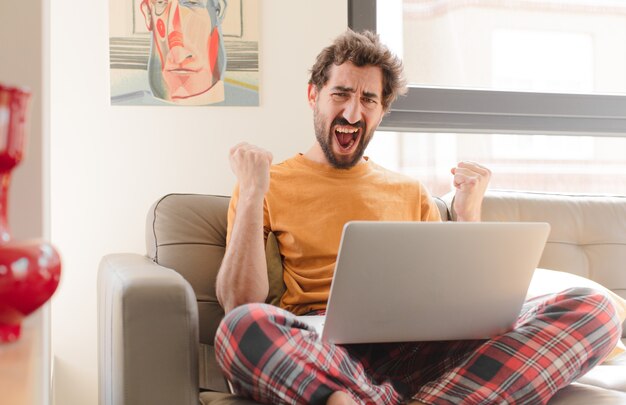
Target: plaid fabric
[270,356]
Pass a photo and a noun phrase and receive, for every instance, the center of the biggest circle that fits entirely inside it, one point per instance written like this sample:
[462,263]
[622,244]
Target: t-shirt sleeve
[429,209]
[232,212]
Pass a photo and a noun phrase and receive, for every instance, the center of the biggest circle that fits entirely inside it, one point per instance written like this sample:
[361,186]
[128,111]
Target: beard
[325,137]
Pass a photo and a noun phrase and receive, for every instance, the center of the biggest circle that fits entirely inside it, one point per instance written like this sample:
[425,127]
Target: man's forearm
[243,274]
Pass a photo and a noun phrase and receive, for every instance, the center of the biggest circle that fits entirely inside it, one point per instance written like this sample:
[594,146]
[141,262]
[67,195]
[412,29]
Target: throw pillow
[274,271]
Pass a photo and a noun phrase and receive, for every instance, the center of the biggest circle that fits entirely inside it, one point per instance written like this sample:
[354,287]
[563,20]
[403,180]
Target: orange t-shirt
[308,204]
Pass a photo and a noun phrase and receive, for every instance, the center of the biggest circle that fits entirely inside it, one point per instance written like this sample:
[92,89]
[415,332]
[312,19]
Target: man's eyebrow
[346,89]
[369,94]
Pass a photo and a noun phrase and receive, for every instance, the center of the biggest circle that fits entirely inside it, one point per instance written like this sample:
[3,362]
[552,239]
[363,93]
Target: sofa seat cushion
[604,384]
[583,394]
[609,375]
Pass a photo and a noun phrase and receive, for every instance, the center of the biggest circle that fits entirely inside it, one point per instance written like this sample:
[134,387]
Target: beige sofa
[158,312]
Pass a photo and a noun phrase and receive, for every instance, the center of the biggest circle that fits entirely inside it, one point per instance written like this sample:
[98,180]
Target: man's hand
[251,165]
[243,273]
[471,181]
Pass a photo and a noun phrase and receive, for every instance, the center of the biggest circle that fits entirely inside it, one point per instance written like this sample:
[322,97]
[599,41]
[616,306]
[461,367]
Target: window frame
[438,109]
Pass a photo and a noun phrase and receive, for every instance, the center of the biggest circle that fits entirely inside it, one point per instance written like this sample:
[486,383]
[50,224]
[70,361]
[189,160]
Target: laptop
[426,281]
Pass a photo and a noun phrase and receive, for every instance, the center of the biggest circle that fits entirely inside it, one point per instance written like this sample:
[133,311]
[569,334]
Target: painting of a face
[187,57]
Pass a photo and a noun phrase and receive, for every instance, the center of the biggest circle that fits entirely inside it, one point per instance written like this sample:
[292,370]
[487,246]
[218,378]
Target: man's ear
[312,94]
[220,8]
[147,14]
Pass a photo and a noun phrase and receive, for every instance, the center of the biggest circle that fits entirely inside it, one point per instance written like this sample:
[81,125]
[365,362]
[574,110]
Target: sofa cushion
[584,394]
[274,270]
[610,375]
[211,377]
[187,233]
[587,235]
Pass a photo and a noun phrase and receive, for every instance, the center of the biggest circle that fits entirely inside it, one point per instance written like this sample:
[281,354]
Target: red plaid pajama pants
[271,357]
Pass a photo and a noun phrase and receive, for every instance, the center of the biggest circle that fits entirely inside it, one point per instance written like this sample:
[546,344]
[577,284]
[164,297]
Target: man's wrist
[474,216]
[469,218]
[251,195]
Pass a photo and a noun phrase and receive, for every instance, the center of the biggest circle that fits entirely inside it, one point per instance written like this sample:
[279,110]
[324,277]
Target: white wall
[109,164]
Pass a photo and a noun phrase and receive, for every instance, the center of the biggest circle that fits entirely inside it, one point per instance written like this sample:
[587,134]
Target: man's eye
[370,103]
[159,6]
[340,96]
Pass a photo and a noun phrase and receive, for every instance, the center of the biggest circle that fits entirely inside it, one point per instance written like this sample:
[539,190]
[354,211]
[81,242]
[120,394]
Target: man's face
[187,42]
[347,111]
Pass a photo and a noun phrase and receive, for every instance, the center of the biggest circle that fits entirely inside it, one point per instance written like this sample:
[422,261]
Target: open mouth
[347,137]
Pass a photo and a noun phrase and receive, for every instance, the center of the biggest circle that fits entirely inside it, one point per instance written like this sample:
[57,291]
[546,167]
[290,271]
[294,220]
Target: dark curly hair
[362,49]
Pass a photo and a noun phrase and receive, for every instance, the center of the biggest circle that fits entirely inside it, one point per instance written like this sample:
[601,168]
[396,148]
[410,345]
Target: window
[569,164]
[497,81]
[525,60]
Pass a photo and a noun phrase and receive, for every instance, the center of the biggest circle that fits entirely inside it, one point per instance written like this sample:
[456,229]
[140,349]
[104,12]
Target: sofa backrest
[588,232]
[187,233]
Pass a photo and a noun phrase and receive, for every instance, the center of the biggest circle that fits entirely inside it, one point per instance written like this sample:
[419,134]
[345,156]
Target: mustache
[343,121]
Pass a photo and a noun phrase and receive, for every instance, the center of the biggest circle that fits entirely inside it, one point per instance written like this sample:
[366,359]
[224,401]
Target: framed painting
[184,52]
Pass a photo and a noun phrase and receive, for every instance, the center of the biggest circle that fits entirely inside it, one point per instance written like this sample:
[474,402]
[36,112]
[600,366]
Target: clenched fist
[251,165]
[471,181]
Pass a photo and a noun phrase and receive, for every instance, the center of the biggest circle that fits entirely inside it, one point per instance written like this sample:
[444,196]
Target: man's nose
[175,36]
[180,55]
[353,110]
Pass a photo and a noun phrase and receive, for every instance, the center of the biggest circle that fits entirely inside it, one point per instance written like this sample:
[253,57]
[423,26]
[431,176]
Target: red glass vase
[29,270]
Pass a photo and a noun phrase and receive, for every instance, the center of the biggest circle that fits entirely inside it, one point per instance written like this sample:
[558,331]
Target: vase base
[10,332]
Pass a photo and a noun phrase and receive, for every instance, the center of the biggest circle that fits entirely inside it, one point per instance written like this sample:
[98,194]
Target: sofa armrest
[147,334]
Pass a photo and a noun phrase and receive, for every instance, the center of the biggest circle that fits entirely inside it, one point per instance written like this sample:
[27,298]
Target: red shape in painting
[161,28]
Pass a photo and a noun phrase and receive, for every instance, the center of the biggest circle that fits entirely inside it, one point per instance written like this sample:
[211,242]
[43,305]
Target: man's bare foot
[340,398]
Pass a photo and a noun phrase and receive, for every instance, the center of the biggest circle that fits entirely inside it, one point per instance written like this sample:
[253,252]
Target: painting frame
[182,52]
